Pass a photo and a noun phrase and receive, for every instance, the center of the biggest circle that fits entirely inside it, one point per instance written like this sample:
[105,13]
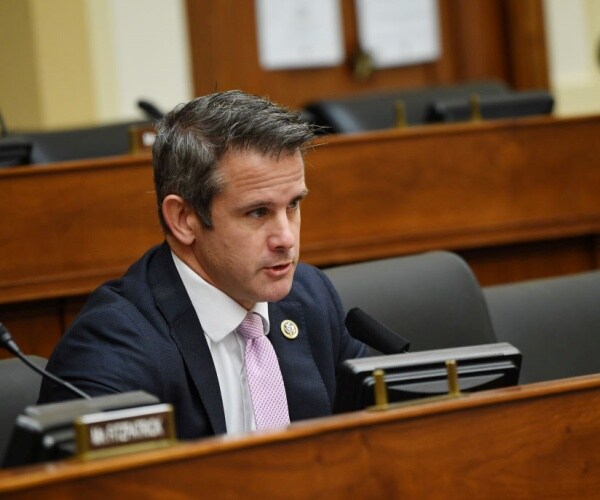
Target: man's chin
[278,291]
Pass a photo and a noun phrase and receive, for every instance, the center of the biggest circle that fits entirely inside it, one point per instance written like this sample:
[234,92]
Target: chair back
[554,322]
[111,139]
[376,111]
[19,387]
[432,299]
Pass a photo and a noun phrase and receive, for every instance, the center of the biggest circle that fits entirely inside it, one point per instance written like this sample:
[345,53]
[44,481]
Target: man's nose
[283,234]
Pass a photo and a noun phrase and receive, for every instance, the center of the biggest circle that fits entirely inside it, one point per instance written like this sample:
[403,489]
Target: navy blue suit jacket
[141,332]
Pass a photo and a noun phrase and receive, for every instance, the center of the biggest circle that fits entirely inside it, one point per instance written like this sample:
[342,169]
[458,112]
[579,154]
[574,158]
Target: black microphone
[11,346]
[150,109]
[371,332]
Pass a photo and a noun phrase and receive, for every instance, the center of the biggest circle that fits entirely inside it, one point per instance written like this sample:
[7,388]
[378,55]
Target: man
[229,177]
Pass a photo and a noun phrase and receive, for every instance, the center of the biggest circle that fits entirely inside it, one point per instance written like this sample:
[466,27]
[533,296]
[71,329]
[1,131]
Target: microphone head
[7,341]
[150,109]
[376,335]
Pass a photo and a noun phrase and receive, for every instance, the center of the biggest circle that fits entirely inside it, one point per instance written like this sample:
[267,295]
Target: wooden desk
[66,227]
[517,198]
[535,441]
[506,185]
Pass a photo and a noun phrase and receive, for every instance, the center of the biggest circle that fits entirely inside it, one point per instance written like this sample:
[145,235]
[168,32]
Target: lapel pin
[289,329]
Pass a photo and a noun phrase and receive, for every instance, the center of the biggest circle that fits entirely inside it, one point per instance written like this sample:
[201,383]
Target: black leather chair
[76,144]
[14,151]
[554,322]
[19,387]
[509,105]
[374,111]
[79,143]
[432,299]
[111,139]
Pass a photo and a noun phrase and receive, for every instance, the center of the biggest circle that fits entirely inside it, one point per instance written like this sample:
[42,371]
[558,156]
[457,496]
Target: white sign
[398,32]
[299,33]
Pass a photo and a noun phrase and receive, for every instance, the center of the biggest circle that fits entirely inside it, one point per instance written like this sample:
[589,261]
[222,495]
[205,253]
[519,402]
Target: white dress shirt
[219,316]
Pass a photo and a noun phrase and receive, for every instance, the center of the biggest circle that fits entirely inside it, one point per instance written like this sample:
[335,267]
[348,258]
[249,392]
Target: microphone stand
[10,345]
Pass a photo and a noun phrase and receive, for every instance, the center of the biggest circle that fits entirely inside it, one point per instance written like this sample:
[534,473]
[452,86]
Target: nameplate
[124,431]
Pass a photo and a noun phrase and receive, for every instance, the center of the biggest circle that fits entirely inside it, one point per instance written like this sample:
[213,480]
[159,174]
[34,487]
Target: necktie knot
[251,327]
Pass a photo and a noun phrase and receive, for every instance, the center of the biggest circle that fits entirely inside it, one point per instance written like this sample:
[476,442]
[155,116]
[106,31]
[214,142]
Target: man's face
[252,250]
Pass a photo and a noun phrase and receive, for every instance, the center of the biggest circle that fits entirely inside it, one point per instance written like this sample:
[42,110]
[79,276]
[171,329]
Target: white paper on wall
[299,33]
[398,32]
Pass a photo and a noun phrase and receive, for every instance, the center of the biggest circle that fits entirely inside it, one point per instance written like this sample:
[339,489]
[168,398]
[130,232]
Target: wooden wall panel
[477,39]
[526,41]
[506,182]
[508,263]
[35,326]
[68,227]
[480,40]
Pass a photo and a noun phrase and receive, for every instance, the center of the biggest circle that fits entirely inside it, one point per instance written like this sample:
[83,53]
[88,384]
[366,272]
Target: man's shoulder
[307,274]
[133,290]
[155,257]
[310,281]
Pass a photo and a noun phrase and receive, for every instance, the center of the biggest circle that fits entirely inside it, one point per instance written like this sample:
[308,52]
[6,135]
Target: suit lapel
[306,392]
[186,331]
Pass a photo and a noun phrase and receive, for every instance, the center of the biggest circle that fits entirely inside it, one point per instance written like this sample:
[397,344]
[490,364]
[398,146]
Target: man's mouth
[279,269]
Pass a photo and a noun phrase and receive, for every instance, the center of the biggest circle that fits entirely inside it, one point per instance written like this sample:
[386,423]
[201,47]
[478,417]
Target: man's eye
[294,204]
[257,213]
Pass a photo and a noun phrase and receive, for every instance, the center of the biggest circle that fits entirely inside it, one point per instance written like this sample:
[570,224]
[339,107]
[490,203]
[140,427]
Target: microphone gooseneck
[11,346]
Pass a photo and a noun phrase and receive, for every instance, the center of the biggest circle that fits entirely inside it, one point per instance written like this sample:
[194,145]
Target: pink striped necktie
[264,376]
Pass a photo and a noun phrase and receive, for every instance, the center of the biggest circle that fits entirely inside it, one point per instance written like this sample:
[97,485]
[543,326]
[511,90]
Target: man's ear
[180,218]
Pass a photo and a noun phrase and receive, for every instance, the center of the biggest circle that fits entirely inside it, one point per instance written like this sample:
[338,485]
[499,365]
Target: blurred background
[69,63]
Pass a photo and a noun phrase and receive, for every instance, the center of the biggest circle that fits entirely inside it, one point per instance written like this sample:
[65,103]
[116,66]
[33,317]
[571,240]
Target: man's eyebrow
[265,203]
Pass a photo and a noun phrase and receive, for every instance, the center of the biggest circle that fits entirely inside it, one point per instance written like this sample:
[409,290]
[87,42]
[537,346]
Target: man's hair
[193,137]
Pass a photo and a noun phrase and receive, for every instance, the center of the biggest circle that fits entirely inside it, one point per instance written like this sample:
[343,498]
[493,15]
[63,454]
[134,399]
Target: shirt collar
[218,313]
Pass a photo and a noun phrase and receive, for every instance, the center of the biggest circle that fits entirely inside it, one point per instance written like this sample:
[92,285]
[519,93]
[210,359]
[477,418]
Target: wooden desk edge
[23,478]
